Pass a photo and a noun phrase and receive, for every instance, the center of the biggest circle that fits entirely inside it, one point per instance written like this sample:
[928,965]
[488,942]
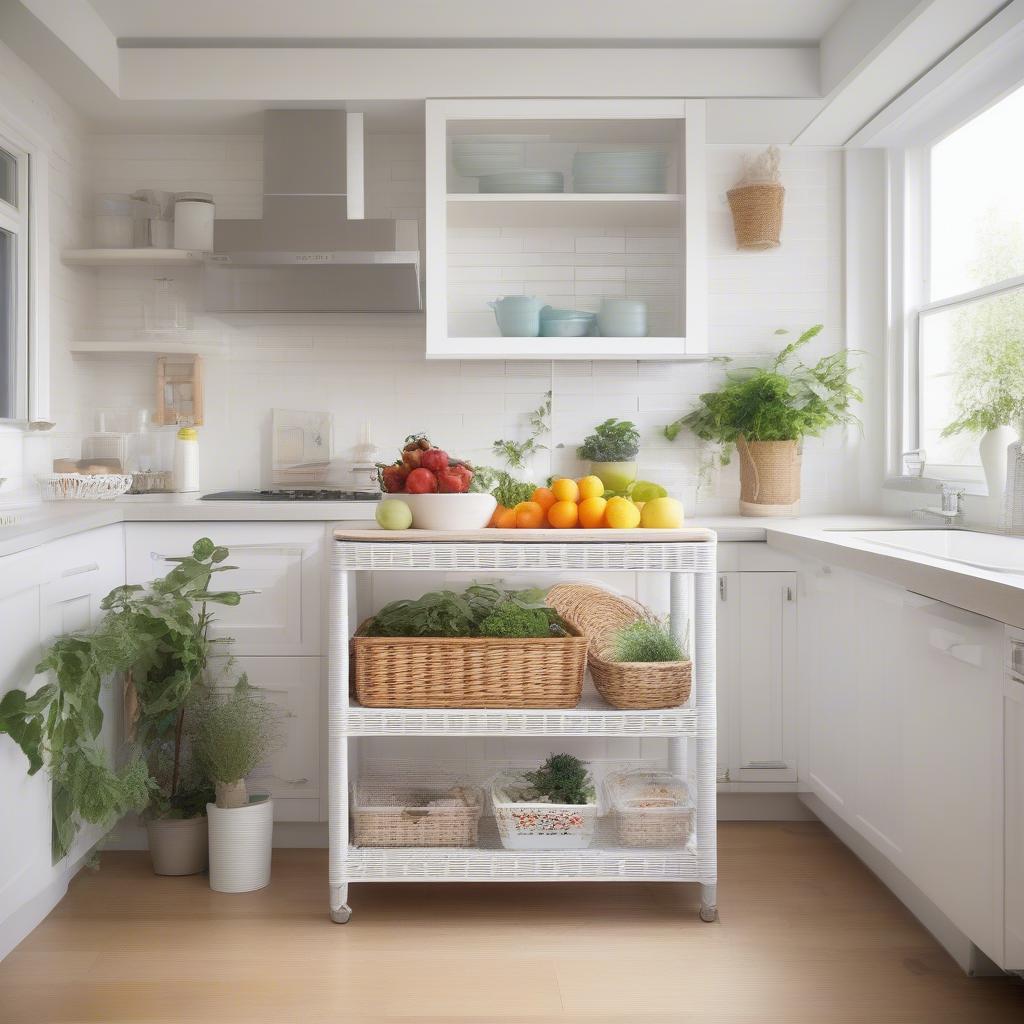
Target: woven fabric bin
[395,815]
[757,214]
[630,686]
[651,808]
[468,672]
[769,477]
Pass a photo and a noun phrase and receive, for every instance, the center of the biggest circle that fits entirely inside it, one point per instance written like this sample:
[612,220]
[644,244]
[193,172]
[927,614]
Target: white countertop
[823,538]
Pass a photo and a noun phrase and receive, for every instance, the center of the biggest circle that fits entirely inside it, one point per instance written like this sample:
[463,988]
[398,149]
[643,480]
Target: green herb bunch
[645,641]
[779,403]
[563,779]
[513,620]
[612,441]
[515,453]
[446,613]
[507,491]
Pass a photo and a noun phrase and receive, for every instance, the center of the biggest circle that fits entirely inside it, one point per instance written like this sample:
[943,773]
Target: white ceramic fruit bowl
[449,512]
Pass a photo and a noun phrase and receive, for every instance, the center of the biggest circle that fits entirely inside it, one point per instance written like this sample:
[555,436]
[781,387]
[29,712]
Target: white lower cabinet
[1013,803]
[756,669]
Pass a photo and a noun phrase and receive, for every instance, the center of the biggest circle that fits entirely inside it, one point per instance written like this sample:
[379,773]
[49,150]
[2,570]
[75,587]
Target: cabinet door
[1013,802]
[764,694]
[952,766]
[291,775]
[280,561]
[728,642]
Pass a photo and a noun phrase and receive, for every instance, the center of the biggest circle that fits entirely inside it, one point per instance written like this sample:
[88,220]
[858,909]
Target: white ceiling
[136,22]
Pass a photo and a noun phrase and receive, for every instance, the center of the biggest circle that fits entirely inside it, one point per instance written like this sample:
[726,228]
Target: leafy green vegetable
[512,620]
[563,779]
[644,641]
[612,441]
[446,613]
[506,489]
[775,404]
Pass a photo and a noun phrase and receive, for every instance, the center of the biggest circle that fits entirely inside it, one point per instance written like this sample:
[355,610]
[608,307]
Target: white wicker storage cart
[687,555]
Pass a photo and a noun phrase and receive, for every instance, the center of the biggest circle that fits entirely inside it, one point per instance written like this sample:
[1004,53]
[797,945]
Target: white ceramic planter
[240,845]
[993,448]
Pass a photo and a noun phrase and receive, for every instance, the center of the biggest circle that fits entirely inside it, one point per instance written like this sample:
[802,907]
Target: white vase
[240,845]
[993,446]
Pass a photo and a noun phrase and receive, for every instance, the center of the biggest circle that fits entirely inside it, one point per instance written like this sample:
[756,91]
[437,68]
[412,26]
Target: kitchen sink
[992,552]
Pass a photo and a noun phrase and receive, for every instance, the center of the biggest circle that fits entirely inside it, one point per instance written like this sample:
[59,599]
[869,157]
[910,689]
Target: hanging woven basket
[757,214]
[769,477]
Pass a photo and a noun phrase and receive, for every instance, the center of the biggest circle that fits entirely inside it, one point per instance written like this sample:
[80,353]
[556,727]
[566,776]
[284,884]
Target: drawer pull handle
[79,569]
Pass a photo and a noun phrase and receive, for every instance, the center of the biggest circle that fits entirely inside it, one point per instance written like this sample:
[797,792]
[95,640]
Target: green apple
[393,514]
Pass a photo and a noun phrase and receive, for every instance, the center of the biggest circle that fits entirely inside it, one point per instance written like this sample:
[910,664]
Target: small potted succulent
[611,451]
[235,733]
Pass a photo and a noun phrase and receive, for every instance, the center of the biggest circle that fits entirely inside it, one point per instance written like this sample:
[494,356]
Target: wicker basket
[757,214]
[82,486]
[769,477]
[632,686]
[393,815]
[468,672]
[650,808]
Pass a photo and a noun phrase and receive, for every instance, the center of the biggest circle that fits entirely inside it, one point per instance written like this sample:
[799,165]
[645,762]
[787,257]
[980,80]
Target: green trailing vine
[516,453]
[158,634]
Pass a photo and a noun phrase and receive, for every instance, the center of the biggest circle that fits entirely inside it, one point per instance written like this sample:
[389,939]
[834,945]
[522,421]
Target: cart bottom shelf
[605,860]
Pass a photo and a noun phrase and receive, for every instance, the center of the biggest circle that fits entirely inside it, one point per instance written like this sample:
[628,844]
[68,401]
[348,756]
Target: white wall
[371,367]
[31,110]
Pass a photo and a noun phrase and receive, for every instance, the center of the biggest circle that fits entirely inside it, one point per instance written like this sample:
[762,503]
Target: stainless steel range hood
[313,251]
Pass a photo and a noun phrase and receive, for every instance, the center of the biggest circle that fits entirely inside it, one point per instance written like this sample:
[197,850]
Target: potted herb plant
[236,732]
[766,413]
[988,381]
[611,451]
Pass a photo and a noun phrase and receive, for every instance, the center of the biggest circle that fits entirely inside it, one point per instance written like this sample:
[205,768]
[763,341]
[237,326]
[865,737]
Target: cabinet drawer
[291,775]
[281,562]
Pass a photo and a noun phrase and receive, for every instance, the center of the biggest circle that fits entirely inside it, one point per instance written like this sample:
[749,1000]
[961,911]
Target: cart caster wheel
[342,915]
[709,914]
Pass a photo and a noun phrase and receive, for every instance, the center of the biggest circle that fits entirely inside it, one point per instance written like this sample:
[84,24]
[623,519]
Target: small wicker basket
[650,808]
[395,815]
[468,672]
[769,477]
[757,214]
[631,686]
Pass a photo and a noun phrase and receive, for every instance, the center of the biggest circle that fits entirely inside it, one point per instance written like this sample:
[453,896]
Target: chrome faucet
[952,504]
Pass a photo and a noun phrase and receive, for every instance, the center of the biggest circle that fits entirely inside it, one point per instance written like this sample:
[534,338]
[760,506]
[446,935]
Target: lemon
[590,487]
[565,489]
[621,514]
[662,514]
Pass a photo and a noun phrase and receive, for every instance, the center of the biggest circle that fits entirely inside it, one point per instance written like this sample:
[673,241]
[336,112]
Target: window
[14,288]
[965,311]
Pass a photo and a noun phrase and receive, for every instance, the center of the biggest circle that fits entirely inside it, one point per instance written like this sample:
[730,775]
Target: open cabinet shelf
[131,258]
[567,249]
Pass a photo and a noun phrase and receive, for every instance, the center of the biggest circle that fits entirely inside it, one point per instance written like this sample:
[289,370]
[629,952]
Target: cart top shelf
[683,535]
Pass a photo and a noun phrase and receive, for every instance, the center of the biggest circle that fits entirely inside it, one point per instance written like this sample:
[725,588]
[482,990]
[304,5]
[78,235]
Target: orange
[565,489]
[590,487]
[506,520]
[529,515]
[563,514]
[621,514]
[592,512]
[496,515]
[543,497]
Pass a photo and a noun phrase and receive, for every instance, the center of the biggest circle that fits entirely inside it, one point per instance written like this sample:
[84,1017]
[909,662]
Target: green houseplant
[155,637]
[766,413]
[611,451]
[235,733]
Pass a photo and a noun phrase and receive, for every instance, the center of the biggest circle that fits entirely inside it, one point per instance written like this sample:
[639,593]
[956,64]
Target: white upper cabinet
[570,202]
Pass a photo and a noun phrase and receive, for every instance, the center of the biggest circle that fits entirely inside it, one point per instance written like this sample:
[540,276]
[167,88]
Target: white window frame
[984,71]
[16,221]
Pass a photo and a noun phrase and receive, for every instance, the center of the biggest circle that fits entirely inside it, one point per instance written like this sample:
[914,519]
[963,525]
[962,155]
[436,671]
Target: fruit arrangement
[569,504]
[423,468]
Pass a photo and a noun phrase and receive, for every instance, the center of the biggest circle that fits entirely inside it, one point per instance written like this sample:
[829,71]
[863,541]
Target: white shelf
[565,197]
[491,862]
[563,348]
[591,717]
[131,257]
[156,347]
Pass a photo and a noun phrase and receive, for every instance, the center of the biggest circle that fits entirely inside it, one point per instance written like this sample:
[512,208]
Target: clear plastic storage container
[399,814]
[651,808]
[526,825]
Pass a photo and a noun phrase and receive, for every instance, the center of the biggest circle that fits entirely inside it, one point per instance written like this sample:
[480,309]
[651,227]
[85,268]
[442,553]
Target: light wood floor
[806,935]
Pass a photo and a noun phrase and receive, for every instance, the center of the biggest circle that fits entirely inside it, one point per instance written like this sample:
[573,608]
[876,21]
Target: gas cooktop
[293,494]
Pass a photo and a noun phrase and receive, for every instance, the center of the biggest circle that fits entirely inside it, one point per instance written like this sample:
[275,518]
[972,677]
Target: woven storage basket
[757,215]
[650,808]
[396,815]
[631,686]
[468,672]
[769,477]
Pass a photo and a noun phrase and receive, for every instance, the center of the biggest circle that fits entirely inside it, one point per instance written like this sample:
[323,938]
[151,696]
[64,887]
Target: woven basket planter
[757,215]
[392,816]
[630,686]
[769,477]
[468,672]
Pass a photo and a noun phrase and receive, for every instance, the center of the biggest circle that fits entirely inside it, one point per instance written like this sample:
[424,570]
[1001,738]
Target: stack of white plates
[523,181]
[639,170]
[474,156]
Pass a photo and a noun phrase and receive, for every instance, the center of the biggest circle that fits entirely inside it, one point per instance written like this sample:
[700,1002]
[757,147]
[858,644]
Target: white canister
[186,460]
[241,839]
[193,221]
